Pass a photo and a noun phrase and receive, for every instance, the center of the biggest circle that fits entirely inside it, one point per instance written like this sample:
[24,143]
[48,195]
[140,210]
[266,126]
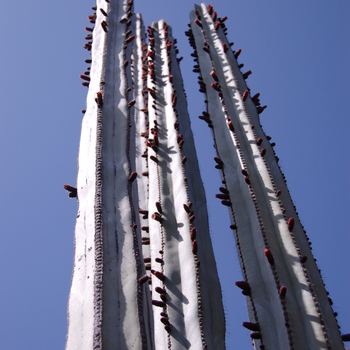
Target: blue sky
[299,54]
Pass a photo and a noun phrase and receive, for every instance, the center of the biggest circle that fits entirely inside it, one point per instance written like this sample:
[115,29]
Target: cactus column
[179,234]
[142,205]
[287,302]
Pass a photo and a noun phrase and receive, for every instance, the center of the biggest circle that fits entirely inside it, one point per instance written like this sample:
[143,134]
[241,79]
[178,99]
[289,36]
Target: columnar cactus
[179,237]
[142,218]
[144,270]
[287,303]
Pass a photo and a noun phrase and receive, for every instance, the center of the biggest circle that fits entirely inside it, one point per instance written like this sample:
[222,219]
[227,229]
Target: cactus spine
[287,302]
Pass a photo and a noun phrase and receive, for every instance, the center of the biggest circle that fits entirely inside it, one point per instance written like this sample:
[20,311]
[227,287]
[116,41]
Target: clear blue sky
[299,54]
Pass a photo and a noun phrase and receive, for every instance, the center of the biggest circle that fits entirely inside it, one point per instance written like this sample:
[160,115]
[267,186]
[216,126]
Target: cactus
[144,272]
[287,302]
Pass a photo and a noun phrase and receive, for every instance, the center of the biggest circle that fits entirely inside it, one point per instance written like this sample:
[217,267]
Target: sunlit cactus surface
[144,273]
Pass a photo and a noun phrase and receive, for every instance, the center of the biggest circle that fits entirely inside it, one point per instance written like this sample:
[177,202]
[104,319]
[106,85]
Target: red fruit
[156,216]
[345,337]
[254,327]
[224,190]
[303,259]
[69,188]
[145,241]
[227,203]
[206,48]
[131,103]
[143,279]
[245,95]
[174,100]
[164,320]
[259,141]
[159,260]
[269,256]
[283,291]
[160,290]
[243,285]
[230,125]
[238,52]
[206,119]
[261,109]
[187,208]
[84,77]
[198,22]
[194,247]
[216,86]
[193,233]
[158,274]
[155,138]
[218,161]
[244,172]
[132,176]
[158,303]
[154,159]
[104,26]
[246,74]
[130,39]
[263,152]
[256,96]
[222,196]
[159,207]
[255,335]
[290,224]
[214,76]
[99,99]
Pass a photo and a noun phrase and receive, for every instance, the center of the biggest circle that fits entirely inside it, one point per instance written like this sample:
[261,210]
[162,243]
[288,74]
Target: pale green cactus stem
[287,302]
[178,208]
[108,306]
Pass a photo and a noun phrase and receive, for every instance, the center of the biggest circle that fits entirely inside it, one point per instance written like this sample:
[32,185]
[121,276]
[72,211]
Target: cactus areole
[144,273]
